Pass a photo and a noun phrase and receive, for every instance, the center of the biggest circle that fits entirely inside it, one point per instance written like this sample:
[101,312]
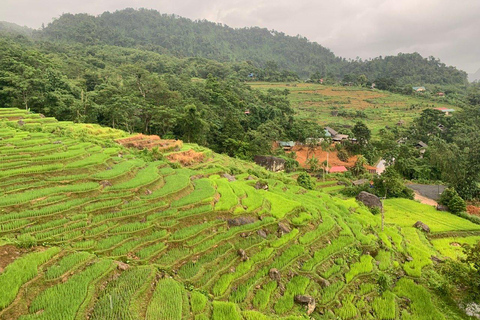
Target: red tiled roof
[337,169]
[441,108]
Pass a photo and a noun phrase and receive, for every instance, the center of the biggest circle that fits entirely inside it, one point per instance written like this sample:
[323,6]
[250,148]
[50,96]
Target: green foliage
[304,180]
[198,301]
[166,301]
[19,272]
[72,293]
[225,311]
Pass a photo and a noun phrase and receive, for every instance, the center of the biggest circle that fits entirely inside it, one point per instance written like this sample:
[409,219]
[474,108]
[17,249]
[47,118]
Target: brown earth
[8,254]
[186,158]
[142,141]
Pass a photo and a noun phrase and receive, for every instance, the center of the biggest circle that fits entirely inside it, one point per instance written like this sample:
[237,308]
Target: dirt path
[425,200]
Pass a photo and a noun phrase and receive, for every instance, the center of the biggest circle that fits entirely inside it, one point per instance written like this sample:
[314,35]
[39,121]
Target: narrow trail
[425,200]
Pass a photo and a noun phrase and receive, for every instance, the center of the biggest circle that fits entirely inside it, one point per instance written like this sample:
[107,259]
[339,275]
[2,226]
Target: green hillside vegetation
[270,50]
[154,247]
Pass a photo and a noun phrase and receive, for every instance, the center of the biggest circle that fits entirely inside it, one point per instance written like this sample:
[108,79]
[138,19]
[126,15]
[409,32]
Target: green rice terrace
[90,229]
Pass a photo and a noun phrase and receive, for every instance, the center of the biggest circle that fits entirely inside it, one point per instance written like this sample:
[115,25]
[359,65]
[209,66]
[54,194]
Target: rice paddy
[102,232]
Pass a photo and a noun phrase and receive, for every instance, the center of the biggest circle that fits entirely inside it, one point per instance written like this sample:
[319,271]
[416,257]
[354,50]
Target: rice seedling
[336,245]
[115,301]
[143,177]
[198,301]
[19,272]
[385,306]
[166,302]
[202,193]
[173,183]
[228,199]
[309,237]
[66,264]
[225,311]
[421,305]
[63,301]
[347,310]
[119,169]
[363,266]
[262,296]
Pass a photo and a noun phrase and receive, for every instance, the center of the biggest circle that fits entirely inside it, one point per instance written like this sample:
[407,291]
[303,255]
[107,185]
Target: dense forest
[193,99]
[268,49]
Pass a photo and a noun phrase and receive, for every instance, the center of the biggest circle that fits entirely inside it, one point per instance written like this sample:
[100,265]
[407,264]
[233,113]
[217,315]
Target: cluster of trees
[193,99]
[452,154]
[150,30]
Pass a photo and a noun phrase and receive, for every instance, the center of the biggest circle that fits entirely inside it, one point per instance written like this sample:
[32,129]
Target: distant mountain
[14,28]
[150,30]
[474,76]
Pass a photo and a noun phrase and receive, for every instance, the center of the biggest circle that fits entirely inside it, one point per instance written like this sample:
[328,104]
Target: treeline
[262,48]
[438,147]
[193,99]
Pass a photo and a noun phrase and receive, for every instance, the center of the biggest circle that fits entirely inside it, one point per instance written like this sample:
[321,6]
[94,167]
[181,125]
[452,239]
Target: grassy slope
[315,101]
[180,231]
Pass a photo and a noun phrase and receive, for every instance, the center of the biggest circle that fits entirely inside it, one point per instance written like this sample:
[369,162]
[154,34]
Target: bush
[304,180]
[457,204]
[447,195]
[342,155]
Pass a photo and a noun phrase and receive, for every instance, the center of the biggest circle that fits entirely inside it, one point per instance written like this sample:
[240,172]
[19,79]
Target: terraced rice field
[337,106]
[105,233]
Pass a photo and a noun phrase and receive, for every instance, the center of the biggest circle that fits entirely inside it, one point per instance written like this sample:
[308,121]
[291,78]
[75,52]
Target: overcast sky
[446,29]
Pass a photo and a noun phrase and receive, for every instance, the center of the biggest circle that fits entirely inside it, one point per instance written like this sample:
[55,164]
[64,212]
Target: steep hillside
[107,232]
[179,36]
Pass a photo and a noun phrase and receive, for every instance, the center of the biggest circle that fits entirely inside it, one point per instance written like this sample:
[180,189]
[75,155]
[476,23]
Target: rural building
[441,94]
[286,145]
[447,111]
[418,89]
[337,137]
[270,163]
[401,123]
[337,169]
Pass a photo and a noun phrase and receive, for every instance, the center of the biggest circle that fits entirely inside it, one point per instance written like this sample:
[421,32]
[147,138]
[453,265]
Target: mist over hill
[182,37]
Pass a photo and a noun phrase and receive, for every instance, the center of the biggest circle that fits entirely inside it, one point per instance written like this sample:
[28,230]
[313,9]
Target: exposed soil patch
[425,200]
[142,141]
[473,210]
[186,158]
[8,254]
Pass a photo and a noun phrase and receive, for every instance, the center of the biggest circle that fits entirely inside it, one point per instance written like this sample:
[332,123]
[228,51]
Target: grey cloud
[446,29]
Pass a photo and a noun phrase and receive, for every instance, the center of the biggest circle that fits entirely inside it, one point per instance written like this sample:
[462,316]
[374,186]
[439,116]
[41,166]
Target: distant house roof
[444,109]
[331,131]
[286,144]
[418,89]
[340,137]
[421,144]
[337,169]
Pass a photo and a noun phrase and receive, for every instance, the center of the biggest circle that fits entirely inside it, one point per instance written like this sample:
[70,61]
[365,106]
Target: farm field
[90,229]
[338,106]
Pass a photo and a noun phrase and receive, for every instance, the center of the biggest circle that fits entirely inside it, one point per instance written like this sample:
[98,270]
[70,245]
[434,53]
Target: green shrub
[457,204]
[26,241]
[304,180]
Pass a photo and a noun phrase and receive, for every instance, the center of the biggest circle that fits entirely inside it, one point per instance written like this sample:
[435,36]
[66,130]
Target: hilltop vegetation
[111,232]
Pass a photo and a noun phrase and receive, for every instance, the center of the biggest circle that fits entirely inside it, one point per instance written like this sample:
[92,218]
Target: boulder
[122,266]
[240,221]
[105,183]
[442,207]
[422,226]
[274,274]
[229,177]
[370,200]
[250,178]
[324,283]
[262,234]
[283,227]
[308,300]
[261,185]
[148,192]
[242,254]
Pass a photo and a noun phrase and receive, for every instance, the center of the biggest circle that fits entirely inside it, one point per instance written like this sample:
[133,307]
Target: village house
[286,145]
[336,137]
[446,111]
[419,89]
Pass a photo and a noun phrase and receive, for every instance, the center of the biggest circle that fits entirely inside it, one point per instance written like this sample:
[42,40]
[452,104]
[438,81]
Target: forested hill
[150,30]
